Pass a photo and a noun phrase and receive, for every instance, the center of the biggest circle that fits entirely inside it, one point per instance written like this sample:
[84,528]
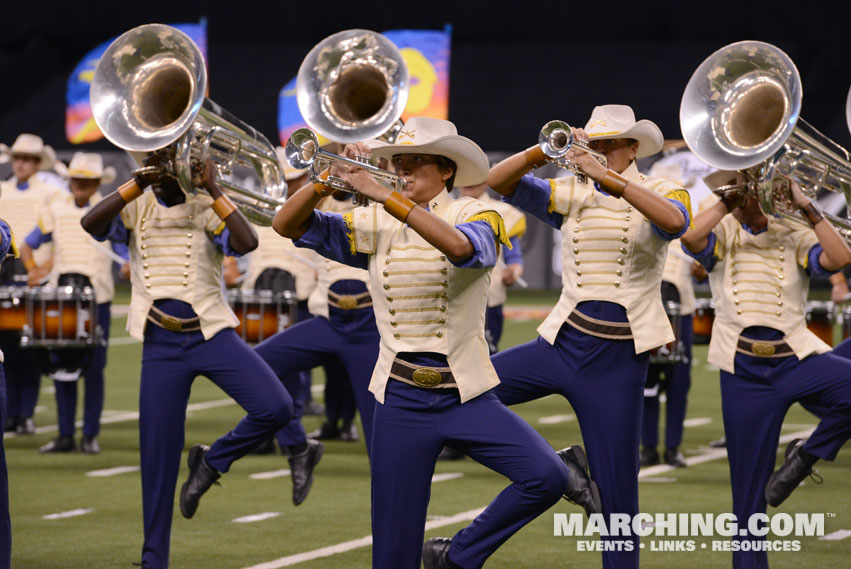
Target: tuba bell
[741,111]
[148,94]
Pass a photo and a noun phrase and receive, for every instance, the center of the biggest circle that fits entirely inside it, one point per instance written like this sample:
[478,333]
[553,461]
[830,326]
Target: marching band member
[80,262]
[21,200]
[429,260]
[177,242]
[7,244]
[594,345]
[759,271]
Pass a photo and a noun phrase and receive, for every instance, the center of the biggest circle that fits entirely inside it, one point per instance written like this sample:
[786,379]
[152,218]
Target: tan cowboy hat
[90,167]
[618,121]
[31,145]
[423,135]
[290,173]
[720,178]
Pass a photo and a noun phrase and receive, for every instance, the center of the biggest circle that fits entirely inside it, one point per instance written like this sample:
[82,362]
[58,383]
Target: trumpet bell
[555,138]
[740,105]
[301,148]
[352,86]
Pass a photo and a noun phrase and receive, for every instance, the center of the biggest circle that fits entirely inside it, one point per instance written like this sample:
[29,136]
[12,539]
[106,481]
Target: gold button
[575,251]
[627,218]
[144,265]
[781,277]
[394,324]
[186,265]
[445,284]
[619,273]
[444,270]
[736,301]
[188,245]
[576,230]
[185,274]
[147,285]
[189,235]
[629,210]
[188,254]
[625,228]
[620,261]
[576,261]
[144,247]
[185,283]
[144,220]
[386,286]
[385,273]
[777,294]
[778,313]
[622,250]
[738,312]
[576,239]
[191,217]
[443,321]
[147,276]
[579,273]
[782,248]
[735,282]
[624,239]
[578,219]
[443,308]
[389,299]
[733,272]
[579,284]
[386,261]
[779,303]
[396,335]
[144,256]
[443,257]
[782,258]
[439,334]
[617,284]
[392,311]
[735,291]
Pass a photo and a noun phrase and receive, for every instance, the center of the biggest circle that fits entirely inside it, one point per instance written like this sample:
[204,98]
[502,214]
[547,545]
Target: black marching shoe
[718,443]
[89,445]
[451,453]
[60,444]
[11,425]
[301,469]
[313,409]
[648,456]
[201,477]
[674,457]
[326,431]
[784,480]
[349,432]
[581,490]
[26,426]
[436,553]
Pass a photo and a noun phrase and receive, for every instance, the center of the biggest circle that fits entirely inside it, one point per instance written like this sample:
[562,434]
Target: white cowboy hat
[31,145]
[290,173]
[720,178]
[423,135]
[618,121]
[90,167]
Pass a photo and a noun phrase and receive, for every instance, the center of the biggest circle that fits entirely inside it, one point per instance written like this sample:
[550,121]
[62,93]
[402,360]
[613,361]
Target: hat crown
[85,165]
[422,130]
[608,119]
[27,144]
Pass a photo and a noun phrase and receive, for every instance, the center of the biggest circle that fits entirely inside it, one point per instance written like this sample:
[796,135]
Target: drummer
[79,262]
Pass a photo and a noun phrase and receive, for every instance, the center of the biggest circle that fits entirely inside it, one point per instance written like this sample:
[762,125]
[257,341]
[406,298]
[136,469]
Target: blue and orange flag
[80,127]
[426,53]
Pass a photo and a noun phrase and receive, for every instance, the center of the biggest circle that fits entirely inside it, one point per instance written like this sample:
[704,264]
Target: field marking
[256,517]
[358,543]
[660,479]
[446,476]
[123,341]
[106,472]
[69,514]
[129,416]
[555,419]
[837,535]
[709,456]
[270,474]
[697,422]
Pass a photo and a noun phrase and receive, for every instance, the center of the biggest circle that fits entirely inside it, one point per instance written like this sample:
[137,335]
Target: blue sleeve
[480,234]
[707,256]
[533,195]
[513,256]
[671,236]
[814,268]
[222,241]
[117,232]
[6,245]
[121,250]
[36,238]
[328,236]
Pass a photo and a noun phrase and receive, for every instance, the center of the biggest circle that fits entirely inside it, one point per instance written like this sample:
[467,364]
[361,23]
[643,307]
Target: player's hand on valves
[732,198]
[589,164]
[798,198]
[357,177]
[208,179]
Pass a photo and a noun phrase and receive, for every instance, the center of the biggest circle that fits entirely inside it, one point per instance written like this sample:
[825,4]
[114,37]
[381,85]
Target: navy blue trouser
[755,401]
[170,363]
[66,391]
[494,319]
[603,380]
[676,395]
[315,342]
[22,377]
[411,427]
[5,522]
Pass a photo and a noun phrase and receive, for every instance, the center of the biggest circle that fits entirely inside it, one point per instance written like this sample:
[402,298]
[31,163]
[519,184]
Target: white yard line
[270,474]
[69,514]
[697,422]
[837,535]
[256,517]
[107,472]
[555,419]
[446,476]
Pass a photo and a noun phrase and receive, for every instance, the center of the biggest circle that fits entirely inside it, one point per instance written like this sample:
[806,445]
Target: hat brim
[720,178]
[106,178]
[471,160]
[648,135]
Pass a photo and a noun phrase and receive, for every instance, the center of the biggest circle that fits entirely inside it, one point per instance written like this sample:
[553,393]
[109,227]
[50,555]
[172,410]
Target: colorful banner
[426,53]
[80,127]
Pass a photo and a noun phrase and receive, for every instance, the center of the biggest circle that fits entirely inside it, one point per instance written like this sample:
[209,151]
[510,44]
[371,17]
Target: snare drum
[672,352]
[704,317]
[13,313]
[60,317]
[262,313]
[820,319]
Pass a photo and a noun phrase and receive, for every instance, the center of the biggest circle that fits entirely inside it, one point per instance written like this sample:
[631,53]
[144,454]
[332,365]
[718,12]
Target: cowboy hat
[618,121]
[90,167]
[31,145]
[720,178]
[423,135]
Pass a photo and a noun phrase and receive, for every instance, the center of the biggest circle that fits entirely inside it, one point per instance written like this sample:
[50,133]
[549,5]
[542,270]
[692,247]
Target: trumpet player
[594,346]
[177,308]
[429,260]
[759,271]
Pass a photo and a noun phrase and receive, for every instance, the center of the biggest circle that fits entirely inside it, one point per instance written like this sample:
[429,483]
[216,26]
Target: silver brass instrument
[303,151]
[848,110]
[740,111]
[352,86]
[148,94]
[556,139]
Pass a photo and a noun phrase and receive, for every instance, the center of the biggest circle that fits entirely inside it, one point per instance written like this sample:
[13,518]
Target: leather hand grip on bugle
[129,190]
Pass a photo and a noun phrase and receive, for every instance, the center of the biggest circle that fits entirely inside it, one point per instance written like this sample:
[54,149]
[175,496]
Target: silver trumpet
[556,139]
[741,111]
[303,151]
[148,94]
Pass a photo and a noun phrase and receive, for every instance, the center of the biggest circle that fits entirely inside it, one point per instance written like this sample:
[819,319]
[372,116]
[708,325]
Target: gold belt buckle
[171,323]
[347,302]
[763,348]
[426,377]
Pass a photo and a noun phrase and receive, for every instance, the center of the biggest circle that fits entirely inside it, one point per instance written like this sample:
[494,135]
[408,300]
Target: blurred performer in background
[79,262]
[177,243]
[594,345]
[7,245]
[429,259]
[759,271]
[22,198]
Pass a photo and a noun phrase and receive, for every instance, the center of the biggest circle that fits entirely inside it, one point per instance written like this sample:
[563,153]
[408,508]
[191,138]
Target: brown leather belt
[764,348]
[173,323]
[349,301]
[599,328]
[422,376]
